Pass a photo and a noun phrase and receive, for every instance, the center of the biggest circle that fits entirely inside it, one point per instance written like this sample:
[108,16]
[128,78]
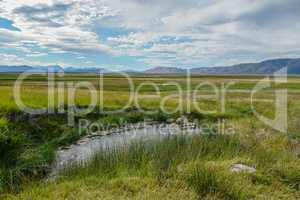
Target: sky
[140,34]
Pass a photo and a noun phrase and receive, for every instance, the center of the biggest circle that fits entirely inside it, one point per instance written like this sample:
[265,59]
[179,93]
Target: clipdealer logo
[66,94]
[280,122]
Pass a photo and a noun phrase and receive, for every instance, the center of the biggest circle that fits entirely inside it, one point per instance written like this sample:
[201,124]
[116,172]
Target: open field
[176,168]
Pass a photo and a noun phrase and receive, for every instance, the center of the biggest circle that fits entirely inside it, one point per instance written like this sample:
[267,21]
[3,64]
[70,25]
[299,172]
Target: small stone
[182,120]
[240,168]
[65,148]
[179,168]
[170,120]
[178,121]
[82,141]
[148,120]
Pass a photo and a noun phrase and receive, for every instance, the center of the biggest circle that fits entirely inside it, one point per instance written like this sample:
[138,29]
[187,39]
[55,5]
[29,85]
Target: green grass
[210,180]
[198,167]
[116,89]
[175,168]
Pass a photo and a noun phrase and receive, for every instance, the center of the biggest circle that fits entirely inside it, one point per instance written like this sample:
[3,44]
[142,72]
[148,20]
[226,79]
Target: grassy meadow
[195,167]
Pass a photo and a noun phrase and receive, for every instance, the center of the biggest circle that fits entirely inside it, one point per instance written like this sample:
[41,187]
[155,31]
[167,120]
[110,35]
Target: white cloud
[202,32]
[62,26]
[12,59]
[36,54]
[7,59]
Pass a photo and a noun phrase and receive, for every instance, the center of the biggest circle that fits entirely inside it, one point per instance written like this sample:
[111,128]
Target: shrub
[10,144]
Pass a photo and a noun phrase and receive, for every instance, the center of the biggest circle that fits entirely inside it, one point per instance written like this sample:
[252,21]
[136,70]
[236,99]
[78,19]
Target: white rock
[182,120]
[239,168]
[170,120]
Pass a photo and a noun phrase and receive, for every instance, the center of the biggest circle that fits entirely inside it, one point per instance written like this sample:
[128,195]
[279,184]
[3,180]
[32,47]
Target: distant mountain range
[265,67]
[165,70]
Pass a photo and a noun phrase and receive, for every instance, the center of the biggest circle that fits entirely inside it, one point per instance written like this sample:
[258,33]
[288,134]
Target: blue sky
[140,34]
[7,24]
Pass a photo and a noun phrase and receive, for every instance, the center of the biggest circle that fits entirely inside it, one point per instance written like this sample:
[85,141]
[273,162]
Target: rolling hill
[265,67]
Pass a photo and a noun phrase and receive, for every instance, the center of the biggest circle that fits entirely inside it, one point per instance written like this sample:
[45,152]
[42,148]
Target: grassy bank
[181,167]
[28,144]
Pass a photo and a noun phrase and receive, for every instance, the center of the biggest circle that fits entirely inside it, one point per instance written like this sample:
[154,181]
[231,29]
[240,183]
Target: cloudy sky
[139,34]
